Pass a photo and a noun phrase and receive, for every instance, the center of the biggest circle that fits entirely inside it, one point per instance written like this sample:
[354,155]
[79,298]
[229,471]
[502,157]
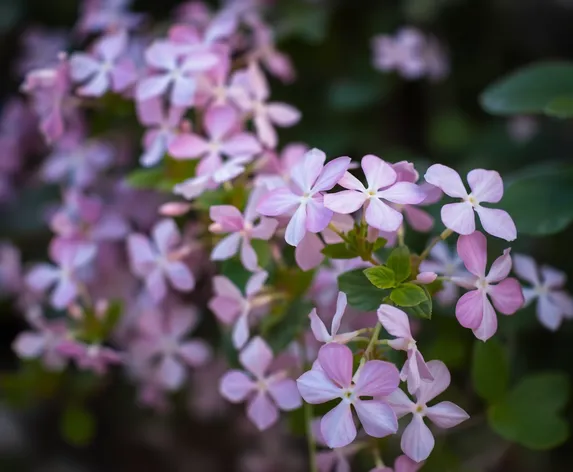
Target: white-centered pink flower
[474,309]
[554,303]
[417,439]
[319,329]
[242,229]
[486,187]
[103,69]
[331,378]
[265,393]
[304,197]
[382,185]
[415,370]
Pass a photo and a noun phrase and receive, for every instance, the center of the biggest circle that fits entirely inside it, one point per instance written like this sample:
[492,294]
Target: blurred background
[348,108]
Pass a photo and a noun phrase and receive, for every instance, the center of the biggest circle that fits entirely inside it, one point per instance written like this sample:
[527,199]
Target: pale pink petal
[469,309]
[459,217]
[507,296]
[278,202]
[223,286]
[262,411]
[296,227]
[331,174]
[265,131]
[381,216]
[226,248]
[195,353]
[183,91]
[488,325]
[553,278]
[282,114]
[378,173]
[317,216]
[352,183]
[500,268]
[65,292]
[472,249]
[308,253]
[97,86]
[486,185]
[123,75]
[188,146]
[154,152]
[337,426]
[83,66]
[153,86]
[180,276]
[315,387]
[341,302]
[285,394]
[241,144]
[256,283]
[241,331]
[563,300]
[161,55]
[395,321]
[258,82]
[405,464]
[236,386]
[403,193]
[549,314]
[345,202]
[400,403]
[165,235]
[446,414]
[417,440]
[336,361]
[42,276]
[228,218]
[155,284]
[199,61]
[256,357]
[318,328]
[248,256]
[430,390]
[29,345]
[418,219]
[170,373]
[426,277]
[220,120]
[265,229]
[306,173]
[376,379]
[497,223]
[377,418]
[447,179]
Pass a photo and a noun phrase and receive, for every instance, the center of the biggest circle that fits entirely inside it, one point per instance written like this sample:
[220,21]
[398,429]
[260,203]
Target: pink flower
[230,306]
[220,87]
[228,219]
[267,114]
[39,48]
[417,440]
[175,70]
[553,302]
[309,179]
[382,185]
[319,329]
[92,357]
[275,169]
[163,129]
[403,53]
[402,464]
[69,259]
[415,369]
[332,378]
[486,186]
[102,69]
[160,260]
[265,393]
[101,15]
[448,264]
[474,309]
[225,137]
[163,345]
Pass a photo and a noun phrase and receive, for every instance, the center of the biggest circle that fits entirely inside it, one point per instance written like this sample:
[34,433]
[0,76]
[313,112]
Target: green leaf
[541,204]
[408,295]
[560,107]
[381,276]
[399,262]
[360,292]
[529,90]
[77,426]
[148,179]
[529,414]
[422,310]
[338,251]
[292,323]
[490,370]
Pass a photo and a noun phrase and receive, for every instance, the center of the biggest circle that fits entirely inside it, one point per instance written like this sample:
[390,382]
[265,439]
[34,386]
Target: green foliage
[289,326]
[381,276]
[399,262]
[408,295]
[360,292]
[338,251]
[149,179]
[95,327]
[542,203]
[30,383]
[77,425]
[490,370]
[560,107]
[532,89]
[423,309]
[529,414]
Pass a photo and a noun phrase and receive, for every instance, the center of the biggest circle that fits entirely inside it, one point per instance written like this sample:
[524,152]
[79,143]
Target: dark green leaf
[424,309]
[560,107]
[490,370]
[529,414]
[360,292]
[399,262]
[381,276]
[292,323]
[529,90]
[408,295]
[338,251]
[148,179]
[77,426]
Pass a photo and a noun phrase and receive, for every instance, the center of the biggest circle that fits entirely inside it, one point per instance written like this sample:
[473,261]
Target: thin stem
[401,233]
[371,344]
[377,457]
[445,234]
[334,229]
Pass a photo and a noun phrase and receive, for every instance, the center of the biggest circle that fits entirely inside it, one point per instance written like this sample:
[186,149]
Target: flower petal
[315,387]
[497,223]
[345,202]
[469,309]
[447,179]
[336,361]
[235,386]
[486,185]
[278,202]
[382,217]
[400,403]
[379,174]
[317,216]
[459,217]
[331,174]
[376,379]
[403,193]
[256,356]
[417,440]
[341,303]
[285,394]
[318,328]
[337,426]
[507,296]
[500,268]
[430,390]
[308,170]
[395,321]
[446,414]
[472,250]
[296,228]
[226,248]
[377,418]
[262,411]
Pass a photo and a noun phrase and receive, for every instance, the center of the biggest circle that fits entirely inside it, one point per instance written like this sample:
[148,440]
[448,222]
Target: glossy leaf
[360,292]
[399,262]
[381,276]
[409,295]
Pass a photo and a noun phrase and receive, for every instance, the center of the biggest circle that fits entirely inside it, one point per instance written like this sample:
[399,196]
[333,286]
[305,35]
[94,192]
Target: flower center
[482,284]
[419,408]
[472,200]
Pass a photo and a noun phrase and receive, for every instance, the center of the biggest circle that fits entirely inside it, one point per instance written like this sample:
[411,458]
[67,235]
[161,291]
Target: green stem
[401,233]
[377,457]
[371,344]
[334,229]
[445,234]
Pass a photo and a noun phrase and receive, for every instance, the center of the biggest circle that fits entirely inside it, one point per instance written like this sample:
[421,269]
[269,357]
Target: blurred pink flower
[40,48]
[102,15]
[94,357]
[403,53]
[319,329]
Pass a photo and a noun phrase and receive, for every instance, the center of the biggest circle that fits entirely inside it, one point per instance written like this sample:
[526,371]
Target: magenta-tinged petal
[341,302]
[446,414]
[400,403]
[165,235]
[500,268]
[226,248]
[248,256]
[472,250]
[486,185]
[29,345]
[377,418]
[345,202]
[507,296]
[318,328]
[378,173]
[376,379]
[308,253]
[256,357]
[278,202]
[224,287]
[285,394]
[199,61]
[188,146]
[306,173]
[469,309]
[395,321]
[497,223]
[262,411]
[418,219]
[170,373]
[235,386]
[430,390]
[225,309]
[265,131]
[331,174]
[315,387]
[459,217]
[123,75]
[336,361]
[265,229]
[417,440]
[296,227]
[488,325]
[228,217]
[381,216]
[405,464]
[317,216]
[426,277]
[337,426]
[180,276]
[282,114]
[241,144]
[220,120]
[195,353]
[447,179]
[403,193]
